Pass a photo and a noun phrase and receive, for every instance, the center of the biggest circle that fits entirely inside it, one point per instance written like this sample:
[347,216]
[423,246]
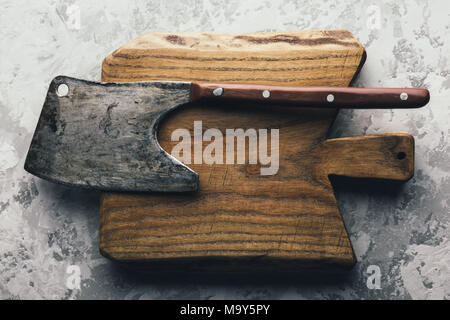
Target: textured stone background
[405,230]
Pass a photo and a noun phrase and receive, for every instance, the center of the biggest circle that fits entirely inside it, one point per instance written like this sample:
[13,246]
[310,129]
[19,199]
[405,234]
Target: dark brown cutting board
[240,220]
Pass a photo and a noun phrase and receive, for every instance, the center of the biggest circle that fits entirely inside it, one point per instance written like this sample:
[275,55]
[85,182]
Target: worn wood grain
[240,220]
[290,58]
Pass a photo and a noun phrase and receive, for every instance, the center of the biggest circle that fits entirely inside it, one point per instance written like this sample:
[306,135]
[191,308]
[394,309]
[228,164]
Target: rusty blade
[104,136]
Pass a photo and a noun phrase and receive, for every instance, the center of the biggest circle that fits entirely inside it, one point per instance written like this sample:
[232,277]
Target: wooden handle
[388,156]
[326,97]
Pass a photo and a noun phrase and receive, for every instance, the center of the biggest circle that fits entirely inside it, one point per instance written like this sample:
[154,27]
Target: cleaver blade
[104,136]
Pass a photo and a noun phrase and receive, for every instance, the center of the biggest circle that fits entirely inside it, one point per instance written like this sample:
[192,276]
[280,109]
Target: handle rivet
[266,94]
[330,98]
[404,96]
[218,92]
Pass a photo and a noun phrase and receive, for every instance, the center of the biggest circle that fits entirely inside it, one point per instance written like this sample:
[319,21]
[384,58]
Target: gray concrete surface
[404,230]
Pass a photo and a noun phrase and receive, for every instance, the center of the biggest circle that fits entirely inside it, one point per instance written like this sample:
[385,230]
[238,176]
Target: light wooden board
[240,220]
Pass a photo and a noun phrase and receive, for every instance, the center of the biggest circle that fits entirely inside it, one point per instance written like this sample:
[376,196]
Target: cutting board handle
[387,156]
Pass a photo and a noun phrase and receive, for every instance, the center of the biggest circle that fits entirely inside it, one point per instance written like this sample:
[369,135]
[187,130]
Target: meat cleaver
[104,135]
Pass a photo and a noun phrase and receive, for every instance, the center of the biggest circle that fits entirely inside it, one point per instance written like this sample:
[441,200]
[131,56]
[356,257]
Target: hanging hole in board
[401,155]
[62,90]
